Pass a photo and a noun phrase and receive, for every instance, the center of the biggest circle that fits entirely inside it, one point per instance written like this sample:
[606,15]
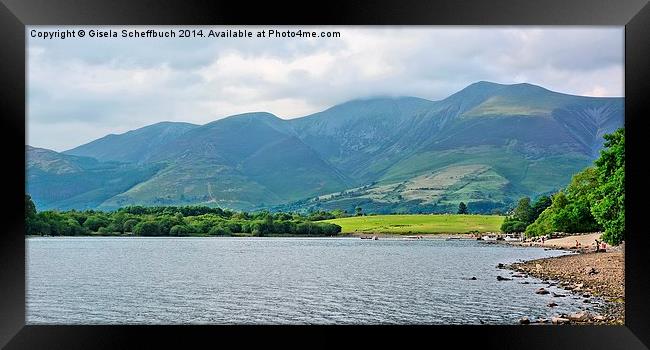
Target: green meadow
[421,224]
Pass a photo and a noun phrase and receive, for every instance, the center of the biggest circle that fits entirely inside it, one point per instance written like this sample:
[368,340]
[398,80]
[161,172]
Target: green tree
[147,228]
[523,212]
[609,204]
[30,215]
[522,216]
[462,208]
[511,225]
[219,231]
[129,225]
[543,225]
[179,230]
[540,205]
[358,211]
[94,222]
[572,213]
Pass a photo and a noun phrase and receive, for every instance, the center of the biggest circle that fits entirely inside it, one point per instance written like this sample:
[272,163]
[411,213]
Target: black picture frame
[16,14]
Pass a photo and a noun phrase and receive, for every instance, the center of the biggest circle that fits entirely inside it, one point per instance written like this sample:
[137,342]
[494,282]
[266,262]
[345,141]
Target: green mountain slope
[59,181]
[133,146]
[239,162]
[496,142]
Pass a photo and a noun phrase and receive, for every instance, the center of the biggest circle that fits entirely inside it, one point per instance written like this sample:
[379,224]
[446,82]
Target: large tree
[30,214]
[462,208]
[541,203]
[595,198]
[609,205]
[524,212]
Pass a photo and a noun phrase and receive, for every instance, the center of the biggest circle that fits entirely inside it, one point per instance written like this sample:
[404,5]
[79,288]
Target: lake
[195,280]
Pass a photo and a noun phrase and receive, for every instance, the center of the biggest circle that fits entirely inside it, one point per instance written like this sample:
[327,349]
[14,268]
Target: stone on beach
[559,320]
[524,320]
[581,316]
[585,277]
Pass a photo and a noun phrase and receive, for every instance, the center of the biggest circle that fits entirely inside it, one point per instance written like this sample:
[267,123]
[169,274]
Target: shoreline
[410,235]
[586,274]
[275,235]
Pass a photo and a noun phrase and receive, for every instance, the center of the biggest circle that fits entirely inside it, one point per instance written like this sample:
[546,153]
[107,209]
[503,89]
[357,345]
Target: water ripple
[277,281]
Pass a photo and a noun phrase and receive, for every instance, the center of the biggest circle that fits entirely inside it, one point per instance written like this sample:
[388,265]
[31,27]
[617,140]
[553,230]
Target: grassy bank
[421,224]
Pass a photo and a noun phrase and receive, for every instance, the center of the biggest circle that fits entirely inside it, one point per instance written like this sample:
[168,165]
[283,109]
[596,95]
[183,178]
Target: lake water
[116,280]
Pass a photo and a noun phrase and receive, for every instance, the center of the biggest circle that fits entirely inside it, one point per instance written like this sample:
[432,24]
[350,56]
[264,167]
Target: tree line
[173,221]
[594,200]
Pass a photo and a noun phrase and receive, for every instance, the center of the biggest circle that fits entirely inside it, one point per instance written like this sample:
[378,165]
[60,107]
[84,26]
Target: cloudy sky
[83,89]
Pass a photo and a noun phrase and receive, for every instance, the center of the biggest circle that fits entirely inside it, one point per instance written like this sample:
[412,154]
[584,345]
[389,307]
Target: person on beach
[597,245]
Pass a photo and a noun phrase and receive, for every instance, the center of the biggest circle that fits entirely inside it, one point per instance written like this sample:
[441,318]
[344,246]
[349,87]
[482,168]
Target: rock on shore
[586,275]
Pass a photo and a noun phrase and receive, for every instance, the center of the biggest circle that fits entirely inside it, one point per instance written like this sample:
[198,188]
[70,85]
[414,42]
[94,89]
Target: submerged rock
[552,304]
[499,278]
[524,320]
[541,291]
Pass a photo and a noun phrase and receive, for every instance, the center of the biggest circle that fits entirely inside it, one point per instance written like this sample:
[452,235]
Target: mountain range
[485,145]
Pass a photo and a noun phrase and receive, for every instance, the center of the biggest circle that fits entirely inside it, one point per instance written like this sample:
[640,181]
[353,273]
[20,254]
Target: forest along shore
[588,274]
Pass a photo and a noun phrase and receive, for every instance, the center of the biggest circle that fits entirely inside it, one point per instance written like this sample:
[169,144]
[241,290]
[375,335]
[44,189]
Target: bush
[129,225]
[542,226]
[40,227]
[147,228]
[219,231]
[104,231]
[179,230]
[94,222]
[511,225]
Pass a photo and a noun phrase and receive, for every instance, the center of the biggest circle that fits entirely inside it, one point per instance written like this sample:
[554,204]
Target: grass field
[408,224]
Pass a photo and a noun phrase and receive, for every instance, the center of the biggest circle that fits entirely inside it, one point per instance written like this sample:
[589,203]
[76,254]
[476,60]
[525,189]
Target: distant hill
[485,145]
[59,181]
[133,146]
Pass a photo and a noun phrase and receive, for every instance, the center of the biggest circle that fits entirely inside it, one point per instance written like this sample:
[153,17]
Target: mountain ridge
[513,133]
